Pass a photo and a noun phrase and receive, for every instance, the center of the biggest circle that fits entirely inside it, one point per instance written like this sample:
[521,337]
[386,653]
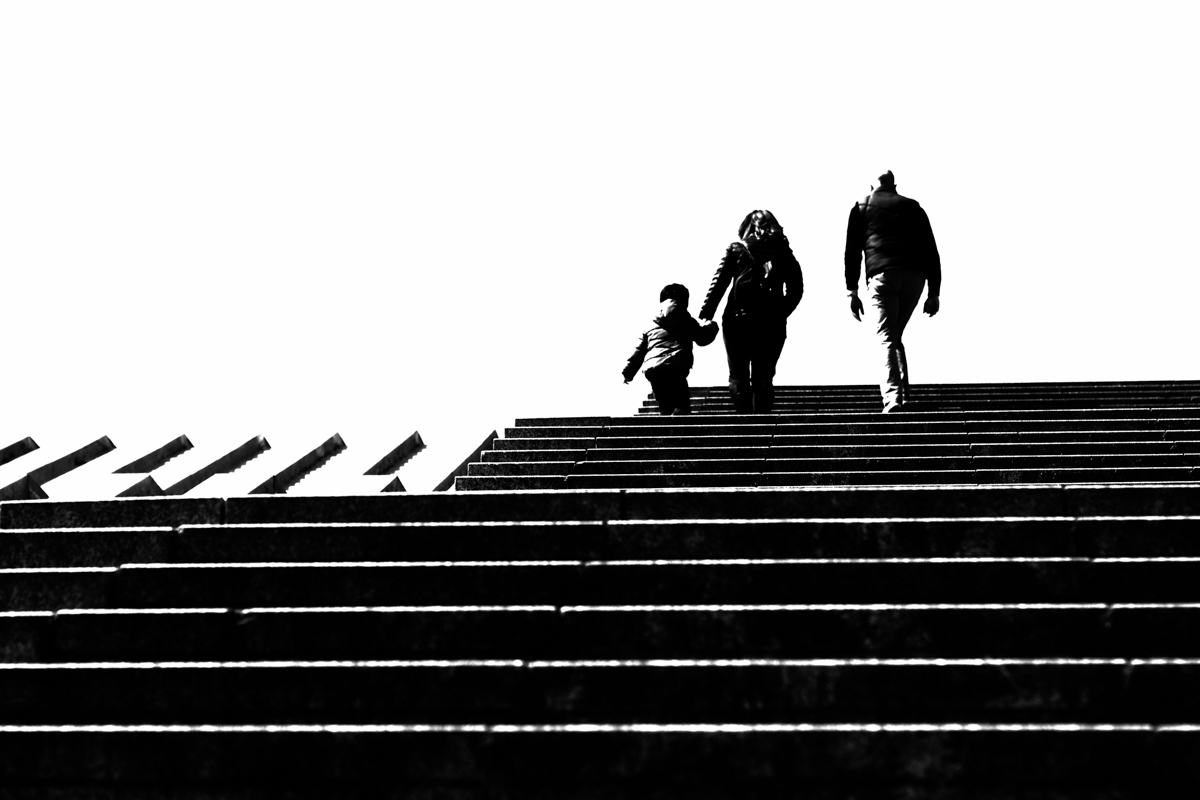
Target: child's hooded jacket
[668,341]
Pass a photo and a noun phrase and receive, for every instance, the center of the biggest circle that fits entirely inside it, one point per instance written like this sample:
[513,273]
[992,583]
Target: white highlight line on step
[143,665]
[1146,559]
[349,564]
[389,609]
[699,728]
[448,609]
[69,612]
[304,526]
[875,489]
[52,570]
[651,663]
[736,663]
[723,562]
[849,607]
[444,609]
[659,562]
[887,520]
[75,531]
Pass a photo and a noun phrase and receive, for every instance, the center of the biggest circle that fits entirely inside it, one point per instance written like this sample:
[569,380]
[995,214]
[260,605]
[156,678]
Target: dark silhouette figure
[894,233]
[765,286]
[665,349]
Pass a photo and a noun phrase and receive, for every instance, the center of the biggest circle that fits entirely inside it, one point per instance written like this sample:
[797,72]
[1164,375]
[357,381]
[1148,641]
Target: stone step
[988,389]
[969,390]
[649,409]
[1060,387]
[995,394]
[963,399]
[861,631]
[620,504]
[551,454]
[85,547]
[571,583]
[830,691]
[685,538]
[1153,415]
[547,479]
[880,424]
[712,407]
[1012,449]
[605,540]
[578,443]
[125,512]
[932,405]
[754,762]
[1185,440]
[777,461]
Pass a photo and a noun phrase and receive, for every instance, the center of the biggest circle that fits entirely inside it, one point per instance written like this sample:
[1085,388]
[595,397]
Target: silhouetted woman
[765,286]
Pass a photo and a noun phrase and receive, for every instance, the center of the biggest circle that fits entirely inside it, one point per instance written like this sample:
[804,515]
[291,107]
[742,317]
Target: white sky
[269,217]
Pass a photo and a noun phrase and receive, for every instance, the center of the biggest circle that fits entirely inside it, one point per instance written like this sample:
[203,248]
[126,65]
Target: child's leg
[671,390]
[660,384]
[684,405]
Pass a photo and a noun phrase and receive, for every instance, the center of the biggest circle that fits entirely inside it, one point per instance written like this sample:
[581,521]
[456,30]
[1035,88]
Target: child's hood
[671,315]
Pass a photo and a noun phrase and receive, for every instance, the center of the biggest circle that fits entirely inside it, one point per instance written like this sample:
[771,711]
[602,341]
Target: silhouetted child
[665,349]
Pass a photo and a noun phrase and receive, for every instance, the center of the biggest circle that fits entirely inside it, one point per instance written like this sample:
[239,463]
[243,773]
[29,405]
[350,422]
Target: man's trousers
[893,295]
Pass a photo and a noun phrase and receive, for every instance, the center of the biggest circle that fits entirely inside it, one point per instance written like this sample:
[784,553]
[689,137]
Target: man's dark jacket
[892,231]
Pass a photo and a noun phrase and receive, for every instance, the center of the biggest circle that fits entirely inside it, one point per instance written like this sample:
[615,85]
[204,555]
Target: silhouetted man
[894,235]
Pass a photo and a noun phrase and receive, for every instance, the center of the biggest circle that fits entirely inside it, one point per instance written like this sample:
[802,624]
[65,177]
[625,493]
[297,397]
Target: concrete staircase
[1010,612]
[1036,433]
[960,397]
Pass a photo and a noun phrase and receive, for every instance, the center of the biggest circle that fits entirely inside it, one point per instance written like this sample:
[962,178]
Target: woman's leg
[769,346]
[739,343]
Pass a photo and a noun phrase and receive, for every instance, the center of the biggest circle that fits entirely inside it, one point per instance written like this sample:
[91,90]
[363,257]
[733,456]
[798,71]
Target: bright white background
[282,217]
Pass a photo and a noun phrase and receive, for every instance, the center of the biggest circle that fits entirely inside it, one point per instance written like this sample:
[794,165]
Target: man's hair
[674,291]
[887,179]
[765,218]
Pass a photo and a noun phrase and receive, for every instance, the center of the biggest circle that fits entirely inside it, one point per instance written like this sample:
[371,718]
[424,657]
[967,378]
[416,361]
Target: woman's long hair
[763,219]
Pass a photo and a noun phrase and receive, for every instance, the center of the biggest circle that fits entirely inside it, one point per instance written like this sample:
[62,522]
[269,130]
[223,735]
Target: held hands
[932,304]
[856,306]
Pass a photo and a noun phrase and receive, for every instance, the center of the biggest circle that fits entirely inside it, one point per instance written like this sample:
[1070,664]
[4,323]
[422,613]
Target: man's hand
[932,304]
[856,306]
